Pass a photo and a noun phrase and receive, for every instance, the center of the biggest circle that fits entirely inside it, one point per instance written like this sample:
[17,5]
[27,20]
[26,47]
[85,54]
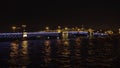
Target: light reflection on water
[75,53]
[18,56]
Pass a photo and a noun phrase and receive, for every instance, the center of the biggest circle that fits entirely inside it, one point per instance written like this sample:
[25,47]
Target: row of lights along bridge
[23,28]
[59,29]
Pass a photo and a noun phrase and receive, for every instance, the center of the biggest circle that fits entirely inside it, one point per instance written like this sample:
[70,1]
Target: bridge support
[65,35]
[90,33]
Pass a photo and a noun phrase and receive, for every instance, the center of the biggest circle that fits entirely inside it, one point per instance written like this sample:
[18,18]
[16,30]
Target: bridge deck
[33,34]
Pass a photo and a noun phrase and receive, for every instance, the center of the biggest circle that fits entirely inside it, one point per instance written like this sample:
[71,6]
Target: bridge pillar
[90,33]
[65,35]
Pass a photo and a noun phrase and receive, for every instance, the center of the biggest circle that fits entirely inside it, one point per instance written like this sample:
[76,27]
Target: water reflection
[23,54]
[18,56]
[63,53]
[47,52]
[99,53]
[14,54]
[91,53]
[77,61]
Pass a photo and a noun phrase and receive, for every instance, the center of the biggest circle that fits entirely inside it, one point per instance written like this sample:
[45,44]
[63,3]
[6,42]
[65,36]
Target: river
[79,52]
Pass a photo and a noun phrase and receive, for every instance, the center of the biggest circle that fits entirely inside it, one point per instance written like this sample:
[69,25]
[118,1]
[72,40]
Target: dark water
[58,53]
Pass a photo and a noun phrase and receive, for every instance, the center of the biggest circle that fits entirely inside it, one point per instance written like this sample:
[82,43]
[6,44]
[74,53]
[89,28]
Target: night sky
[38,14]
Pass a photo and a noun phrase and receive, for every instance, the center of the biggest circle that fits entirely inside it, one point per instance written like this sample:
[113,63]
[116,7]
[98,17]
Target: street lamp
[24,26]
[66,28]
[47,28]
[59,27]
[78,29]
[13,28]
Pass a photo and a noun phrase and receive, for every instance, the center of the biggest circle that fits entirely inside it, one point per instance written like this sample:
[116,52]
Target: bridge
[48,34]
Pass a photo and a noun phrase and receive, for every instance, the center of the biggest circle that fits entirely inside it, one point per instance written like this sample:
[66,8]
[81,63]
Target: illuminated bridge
[48,34]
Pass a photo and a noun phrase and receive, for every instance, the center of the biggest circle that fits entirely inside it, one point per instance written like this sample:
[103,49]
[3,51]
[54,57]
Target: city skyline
[91,14]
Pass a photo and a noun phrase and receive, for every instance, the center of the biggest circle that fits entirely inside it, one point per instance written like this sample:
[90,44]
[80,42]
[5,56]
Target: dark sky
[37,14]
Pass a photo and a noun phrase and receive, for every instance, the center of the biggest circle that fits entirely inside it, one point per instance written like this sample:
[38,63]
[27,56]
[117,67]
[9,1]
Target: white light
[57,37]
[24,34]
[102,34]
[48,37]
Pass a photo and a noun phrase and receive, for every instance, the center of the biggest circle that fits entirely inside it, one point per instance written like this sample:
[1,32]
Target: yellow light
[78,29]
[58,30]
[13,27]
[109,32]
[66,28]
[47,28]
[59,27]
[24,43]
[90,30]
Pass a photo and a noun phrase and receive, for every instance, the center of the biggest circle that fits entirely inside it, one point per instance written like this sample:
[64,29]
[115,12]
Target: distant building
[109,32]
